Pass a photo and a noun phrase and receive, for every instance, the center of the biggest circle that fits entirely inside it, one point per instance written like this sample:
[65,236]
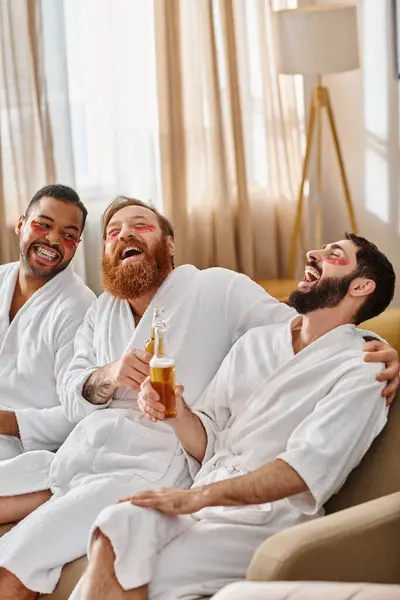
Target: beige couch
[359,540]
[358,543]
[308,591]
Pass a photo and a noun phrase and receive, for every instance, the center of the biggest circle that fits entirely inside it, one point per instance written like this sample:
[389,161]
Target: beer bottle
[158,315]
[162,372]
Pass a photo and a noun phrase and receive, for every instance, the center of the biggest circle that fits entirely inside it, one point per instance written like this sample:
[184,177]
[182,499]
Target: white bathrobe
[35,350]
[114,451]
[318,411]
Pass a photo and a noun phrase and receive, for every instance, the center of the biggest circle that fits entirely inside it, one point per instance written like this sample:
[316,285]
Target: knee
[120,517]
[12,587]
[101,548]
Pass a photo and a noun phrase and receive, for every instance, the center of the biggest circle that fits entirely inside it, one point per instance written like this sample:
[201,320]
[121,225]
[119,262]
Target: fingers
[155,411]
[374,346]
[136,372]
[179,389]
[149,402]
[381,353]
[133,370]
[167,500]
[390,399]
[133,362]
[141,355]
[147,388]
[378,356]
[153,502]
[145,494]
[140,360]
[149,498]
[389,374]
[391,389]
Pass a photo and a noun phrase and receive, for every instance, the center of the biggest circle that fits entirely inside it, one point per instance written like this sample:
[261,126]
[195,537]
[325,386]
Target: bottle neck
[159,343]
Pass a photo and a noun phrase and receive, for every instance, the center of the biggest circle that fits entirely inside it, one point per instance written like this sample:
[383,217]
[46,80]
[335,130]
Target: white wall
[366,106]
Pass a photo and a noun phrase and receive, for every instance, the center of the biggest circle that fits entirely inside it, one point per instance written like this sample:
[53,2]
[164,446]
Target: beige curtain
[35,126]
[26,155]
[231,134]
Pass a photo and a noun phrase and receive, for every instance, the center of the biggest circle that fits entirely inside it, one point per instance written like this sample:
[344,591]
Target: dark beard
[325,294]
[136,278]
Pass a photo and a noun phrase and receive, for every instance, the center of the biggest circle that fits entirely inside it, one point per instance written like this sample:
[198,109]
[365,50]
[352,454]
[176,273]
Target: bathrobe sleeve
[47,428]
[213,410]
[248,305]
[331,441]
[82,365]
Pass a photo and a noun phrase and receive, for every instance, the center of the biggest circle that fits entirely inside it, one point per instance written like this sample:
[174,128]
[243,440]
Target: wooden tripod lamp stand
[317,40]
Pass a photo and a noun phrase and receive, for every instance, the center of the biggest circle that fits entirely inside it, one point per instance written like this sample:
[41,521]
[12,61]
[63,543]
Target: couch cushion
[387,325]
[378,474]
[282,590]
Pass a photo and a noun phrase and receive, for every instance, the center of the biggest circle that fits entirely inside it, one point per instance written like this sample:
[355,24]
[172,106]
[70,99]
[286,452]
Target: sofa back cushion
[378,473]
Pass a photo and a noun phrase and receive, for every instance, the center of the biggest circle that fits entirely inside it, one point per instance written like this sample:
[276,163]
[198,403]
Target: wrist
[178,422]
[108,375]
[211,495]
[184,413]
[9,423]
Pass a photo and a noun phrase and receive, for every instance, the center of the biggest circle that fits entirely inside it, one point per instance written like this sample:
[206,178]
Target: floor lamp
[317,40]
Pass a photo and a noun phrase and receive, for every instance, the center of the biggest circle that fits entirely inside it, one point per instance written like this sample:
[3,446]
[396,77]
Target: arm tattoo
[97,389]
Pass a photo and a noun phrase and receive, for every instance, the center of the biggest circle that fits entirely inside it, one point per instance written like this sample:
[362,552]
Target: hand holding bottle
[130,370]
[150,404]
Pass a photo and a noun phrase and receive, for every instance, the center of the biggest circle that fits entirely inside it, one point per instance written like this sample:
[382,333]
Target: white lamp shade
[317,40]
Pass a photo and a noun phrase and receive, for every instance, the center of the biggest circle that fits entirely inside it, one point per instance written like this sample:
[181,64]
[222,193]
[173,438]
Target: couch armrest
[283,590]
[357,544]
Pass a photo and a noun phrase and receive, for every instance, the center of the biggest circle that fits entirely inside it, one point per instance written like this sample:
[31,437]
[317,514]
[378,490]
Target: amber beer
[162,372]
[162,375]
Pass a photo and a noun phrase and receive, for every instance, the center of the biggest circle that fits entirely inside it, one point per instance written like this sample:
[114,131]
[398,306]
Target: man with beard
[292,410]
[114,451]
[42,305]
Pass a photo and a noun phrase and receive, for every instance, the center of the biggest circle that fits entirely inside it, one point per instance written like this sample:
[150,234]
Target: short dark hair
[373,264]
[122,201]
[58,192]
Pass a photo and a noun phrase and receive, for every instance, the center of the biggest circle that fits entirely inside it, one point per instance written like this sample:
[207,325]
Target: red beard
[138,278]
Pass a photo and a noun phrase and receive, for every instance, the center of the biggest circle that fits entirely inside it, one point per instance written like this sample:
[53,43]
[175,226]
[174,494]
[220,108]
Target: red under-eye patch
[67,242]
[138,228]
[337,261]
[145,228]
[112,236]
[37,227]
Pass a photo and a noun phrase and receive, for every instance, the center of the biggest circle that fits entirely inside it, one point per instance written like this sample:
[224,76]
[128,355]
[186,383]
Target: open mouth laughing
[46,255]
[311,276]
[130,253]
